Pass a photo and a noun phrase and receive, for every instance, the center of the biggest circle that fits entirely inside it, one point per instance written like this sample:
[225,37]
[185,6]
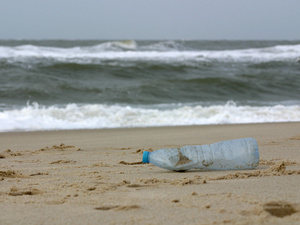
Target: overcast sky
[150,19]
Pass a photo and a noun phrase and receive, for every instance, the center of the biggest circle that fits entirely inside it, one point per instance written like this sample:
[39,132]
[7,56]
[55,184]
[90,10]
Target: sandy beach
[95,177]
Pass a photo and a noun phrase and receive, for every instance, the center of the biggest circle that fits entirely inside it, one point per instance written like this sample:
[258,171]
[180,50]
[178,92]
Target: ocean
[94,84]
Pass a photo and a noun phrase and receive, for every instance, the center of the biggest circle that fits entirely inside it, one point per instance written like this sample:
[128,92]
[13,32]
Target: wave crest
[96,116]
[170,51]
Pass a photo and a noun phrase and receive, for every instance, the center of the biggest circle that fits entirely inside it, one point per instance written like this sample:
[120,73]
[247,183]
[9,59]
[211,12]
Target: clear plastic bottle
[226,155]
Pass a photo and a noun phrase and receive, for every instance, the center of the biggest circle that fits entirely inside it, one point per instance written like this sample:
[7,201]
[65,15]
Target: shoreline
[191,134]
[145,127]
[81,177]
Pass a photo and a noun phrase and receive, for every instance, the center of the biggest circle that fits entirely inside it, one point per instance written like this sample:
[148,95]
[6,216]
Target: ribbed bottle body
[226,155]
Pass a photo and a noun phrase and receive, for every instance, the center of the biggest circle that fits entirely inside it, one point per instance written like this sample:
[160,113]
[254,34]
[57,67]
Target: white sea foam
[114,51]
[73,116]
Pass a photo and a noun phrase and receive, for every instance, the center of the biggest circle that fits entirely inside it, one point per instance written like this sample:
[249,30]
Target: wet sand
[95,177]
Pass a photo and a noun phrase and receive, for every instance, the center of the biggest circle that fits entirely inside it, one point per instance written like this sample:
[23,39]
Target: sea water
[91,84]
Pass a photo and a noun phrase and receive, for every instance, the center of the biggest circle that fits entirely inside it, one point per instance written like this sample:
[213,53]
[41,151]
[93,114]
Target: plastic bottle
[226,155]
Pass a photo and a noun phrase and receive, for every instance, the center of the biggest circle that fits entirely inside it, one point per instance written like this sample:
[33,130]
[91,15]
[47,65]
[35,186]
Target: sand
[96,177]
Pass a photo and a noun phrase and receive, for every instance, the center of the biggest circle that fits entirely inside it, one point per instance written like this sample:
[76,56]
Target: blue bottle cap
[145,157]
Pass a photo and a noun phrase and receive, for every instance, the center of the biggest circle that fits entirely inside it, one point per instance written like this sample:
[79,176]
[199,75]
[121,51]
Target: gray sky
[150,19]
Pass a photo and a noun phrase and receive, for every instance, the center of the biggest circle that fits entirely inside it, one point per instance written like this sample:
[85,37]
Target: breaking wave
[130,51]
[94,116]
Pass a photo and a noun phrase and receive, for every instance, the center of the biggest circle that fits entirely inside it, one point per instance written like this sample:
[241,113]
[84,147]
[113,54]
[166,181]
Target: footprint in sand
[118,207]
[63,161]
[9,153]
[27,191]
[295,138]
[11,174]
[279,209]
